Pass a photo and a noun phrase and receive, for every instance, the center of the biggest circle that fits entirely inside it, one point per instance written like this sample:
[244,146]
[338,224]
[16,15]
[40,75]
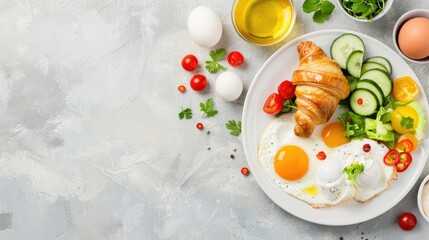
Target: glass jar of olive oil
[263,22]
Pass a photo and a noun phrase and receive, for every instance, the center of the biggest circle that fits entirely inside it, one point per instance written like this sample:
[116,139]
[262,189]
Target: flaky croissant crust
[320,86]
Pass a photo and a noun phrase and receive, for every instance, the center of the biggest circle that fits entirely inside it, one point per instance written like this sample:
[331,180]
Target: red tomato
[245,171]
[273,104]
[198,82]
[404,146]
[190,62]
[286,90]
[405,160]
[181,88]
[391,158]
[235,59]
[407,221]
[200,126]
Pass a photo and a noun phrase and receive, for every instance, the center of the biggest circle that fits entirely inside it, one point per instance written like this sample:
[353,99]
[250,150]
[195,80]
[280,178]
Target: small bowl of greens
[365,10]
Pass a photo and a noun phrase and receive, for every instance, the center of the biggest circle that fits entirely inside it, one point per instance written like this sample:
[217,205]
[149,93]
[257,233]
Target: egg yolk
[291,162]
[333,135]
[312,190]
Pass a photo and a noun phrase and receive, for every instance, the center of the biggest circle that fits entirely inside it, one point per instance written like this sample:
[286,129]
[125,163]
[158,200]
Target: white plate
[279,67]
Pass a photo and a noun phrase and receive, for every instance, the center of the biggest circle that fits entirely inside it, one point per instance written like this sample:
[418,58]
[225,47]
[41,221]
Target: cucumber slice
[343,46]
[373,87]
[372,65]
[382,61]
[381,78]
[354,63]
[363,102]
[352,82]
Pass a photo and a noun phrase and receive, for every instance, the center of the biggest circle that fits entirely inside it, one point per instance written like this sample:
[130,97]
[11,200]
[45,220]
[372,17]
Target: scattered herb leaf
[234,126]
[208,108]
[288,106]
[322,9]
[185,113]
[214,66]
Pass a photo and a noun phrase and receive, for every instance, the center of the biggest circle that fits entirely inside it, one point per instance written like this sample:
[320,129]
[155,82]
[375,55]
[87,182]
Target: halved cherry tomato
[404,146]
[405,160]
[198,82]
[235,59]
[273,104]
[286,90]
[410,137]
[405,89]
[391,158]
[190,62]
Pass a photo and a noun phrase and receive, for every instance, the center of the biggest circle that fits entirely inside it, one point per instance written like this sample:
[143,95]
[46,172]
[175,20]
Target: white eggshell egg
[229,86]
[204,26]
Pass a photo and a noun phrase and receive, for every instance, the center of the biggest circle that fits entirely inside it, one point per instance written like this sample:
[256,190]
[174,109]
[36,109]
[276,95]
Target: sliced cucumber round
[372,65]
[373,87]
[381,78]
[382,61]
[354,63]
[352,82]
[343,46]
[363,102]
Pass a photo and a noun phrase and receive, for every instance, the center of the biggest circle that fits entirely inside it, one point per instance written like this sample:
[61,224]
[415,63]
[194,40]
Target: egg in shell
[413,38]
[204,26]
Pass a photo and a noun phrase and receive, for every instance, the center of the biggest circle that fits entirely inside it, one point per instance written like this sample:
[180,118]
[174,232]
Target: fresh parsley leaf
[322,9]
[363,9]
[288,106]
[353,170]
[407,122]
[234,126]
[214,66]
[185,113]
[208,108]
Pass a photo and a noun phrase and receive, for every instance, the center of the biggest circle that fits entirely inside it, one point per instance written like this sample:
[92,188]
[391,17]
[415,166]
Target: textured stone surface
[91,146]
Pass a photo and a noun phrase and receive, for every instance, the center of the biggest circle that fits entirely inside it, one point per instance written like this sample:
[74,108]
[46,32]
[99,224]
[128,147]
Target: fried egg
[293,165]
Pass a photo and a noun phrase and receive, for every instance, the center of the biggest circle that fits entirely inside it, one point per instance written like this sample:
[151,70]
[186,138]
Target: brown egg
[413,38]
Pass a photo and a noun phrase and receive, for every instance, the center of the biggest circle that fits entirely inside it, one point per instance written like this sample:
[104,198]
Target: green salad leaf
[353,170]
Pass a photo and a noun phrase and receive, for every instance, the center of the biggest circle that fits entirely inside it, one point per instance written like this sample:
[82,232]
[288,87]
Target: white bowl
[419,198]
[404,18]
[378,16]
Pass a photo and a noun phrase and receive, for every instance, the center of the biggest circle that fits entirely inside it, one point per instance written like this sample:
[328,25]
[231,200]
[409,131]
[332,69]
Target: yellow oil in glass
[263,22]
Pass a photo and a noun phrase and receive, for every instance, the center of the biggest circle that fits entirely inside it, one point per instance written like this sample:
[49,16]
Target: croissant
[320,85]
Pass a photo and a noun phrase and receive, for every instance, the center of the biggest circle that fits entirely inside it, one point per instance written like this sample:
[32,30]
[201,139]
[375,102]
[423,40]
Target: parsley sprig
[407,122]
[234,126]
[363,9]
[185,113]
[214,66]
[353,170]
[208,108]
[322,9]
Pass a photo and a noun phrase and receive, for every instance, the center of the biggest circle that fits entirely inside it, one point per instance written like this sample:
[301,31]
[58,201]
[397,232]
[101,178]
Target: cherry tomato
[273,104]
[245,171]
[190,62]
[366,147]
[235,59]
[321,155]
[198,82]
[404,146]
[405,160]
[407,221]
[286,90]
[391,158]
[200,126]
[181,88]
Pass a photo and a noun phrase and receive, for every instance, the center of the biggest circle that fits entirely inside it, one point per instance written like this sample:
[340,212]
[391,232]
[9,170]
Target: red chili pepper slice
[321,155]
[404,146]
[366,147]
[405,160]
[391,158]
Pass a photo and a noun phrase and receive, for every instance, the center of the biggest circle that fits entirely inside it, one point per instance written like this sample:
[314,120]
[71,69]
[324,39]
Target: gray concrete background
[91,146]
